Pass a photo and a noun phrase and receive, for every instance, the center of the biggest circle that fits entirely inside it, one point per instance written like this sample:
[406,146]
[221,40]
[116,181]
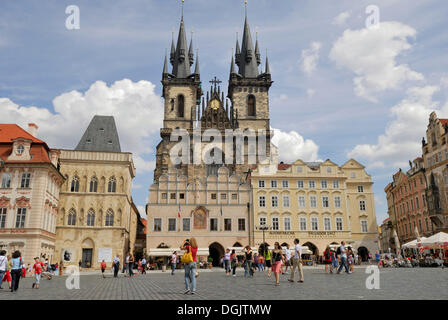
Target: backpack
[338,251]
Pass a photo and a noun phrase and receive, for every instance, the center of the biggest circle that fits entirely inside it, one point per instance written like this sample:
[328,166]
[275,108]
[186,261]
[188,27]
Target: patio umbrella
[436,240]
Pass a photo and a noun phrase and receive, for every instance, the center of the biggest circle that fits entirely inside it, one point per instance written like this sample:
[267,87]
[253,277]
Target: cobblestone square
[395,283]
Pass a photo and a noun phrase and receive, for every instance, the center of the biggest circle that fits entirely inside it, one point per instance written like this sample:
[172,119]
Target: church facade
[208,199]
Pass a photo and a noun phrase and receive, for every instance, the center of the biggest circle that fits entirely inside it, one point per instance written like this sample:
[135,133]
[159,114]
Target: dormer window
[89,141]
[20,149]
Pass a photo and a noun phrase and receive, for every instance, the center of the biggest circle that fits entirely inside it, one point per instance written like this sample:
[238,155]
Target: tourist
[370,258]
[356,258]
[277,257]
[350,259]
[79,262]
[29,270]
[7,277]
[378,258]
[261,263]
[255,265]
[343,257]
[103,267]
[38,266]
[143,265]
[191,248]
[248,260]
[173,261]
[116,265]
[227,261]
[268,262]
[327,260]
[126,264]
[297,262]
[131,265]
[234,262]
[334,261]
[3,265]
[287,259]
[16,270]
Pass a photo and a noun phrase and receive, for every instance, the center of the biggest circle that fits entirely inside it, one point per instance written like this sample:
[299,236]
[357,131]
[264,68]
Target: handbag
[187,257]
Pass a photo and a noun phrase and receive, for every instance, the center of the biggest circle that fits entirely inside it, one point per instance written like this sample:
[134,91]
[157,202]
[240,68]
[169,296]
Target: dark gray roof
[101,135]
[247,61]
[181,59]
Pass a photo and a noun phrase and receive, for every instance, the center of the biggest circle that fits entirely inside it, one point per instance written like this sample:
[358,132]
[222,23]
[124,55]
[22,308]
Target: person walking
[131,265]
[297,262]
[116,265]
[37,267]
[7,277]
[334,261]
[248,260]
[126,264]
[16,270]
[327,260]
[190,260]
[3,265]
[234,262]
[103,267]
[378,258]
[173,261]
[277,257]
[227,261]
[268,262]
[287,259]
[260,263]
[143,265]
[343,257]
[351,260]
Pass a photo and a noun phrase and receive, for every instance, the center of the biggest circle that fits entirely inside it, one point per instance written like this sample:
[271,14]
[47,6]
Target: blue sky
[340,90]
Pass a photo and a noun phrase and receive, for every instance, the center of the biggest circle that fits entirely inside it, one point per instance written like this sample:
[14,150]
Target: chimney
[32,129]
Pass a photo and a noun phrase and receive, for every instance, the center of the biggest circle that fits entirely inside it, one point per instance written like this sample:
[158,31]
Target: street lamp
[263,227]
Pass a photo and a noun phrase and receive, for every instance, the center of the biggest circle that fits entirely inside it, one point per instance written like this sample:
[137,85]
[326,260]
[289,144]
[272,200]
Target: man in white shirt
[297,261]
[343,255]
[287,258]
[143,266]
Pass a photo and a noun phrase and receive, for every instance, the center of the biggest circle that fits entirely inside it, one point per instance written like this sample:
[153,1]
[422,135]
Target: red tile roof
[9,132]
[443,121]
[283,166]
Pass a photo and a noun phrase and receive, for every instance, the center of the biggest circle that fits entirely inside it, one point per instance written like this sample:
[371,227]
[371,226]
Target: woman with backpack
[16,270]
[277,257]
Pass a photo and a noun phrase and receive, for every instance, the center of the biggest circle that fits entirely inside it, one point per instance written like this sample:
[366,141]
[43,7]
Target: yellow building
[97,217]
[318,202]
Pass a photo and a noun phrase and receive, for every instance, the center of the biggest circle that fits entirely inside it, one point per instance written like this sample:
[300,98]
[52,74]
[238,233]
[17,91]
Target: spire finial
[183,9]
[245,7]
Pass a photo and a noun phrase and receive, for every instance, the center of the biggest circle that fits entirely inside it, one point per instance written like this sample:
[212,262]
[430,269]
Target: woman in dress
[327,260]
[277,257]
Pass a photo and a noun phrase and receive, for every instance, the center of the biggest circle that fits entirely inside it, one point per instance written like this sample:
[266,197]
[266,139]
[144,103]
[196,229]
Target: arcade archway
[216,251]
[312,247]
[363,252]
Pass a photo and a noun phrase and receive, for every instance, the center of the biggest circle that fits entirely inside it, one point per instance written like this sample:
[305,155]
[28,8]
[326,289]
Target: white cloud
[310,92]
[341,18]
[136,107]
[141,210]
[310,57]
[292,146]
[371,55]
[402,138]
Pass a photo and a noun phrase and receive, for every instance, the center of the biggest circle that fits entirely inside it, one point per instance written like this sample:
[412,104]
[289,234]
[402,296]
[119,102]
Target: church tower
[249,88]
[181,92]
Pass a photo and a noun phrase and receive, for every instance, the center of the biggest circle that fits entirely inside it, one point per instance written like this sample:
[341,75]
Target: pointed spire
[237,51]
[248,66]
[257,51]
[267,70]
[196,69]
[232,67]
[181,66]
[165,65]
[173,49]
[190,51]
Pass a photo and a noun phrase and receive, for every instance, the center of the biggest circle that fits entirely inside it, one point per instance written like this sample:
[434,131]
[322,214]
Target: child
[23,270]
[103,268]
[37,272]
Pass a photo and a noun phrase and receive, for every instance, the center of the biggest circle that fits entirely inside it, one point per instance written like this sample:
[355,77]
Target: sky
[348,82]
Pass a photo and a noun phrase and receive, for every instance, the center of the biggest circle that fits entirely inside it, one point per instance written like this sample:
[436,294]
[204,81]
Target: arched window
[91,218]
[180,106]
[109,218]
[251,107]
[112,185]
[94,184]
[71,218]
[75,185]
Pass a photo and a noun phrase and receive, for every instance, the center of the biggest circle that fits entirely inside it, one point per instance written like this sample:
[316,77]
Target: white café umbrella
[436,239]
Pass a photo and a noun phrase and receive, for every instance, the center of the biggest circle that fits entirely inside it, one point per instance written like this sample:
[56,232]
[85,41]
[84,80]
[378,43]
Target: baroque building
[208,199]
[29,193]
[435,156]
[320,203]
[97,217]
